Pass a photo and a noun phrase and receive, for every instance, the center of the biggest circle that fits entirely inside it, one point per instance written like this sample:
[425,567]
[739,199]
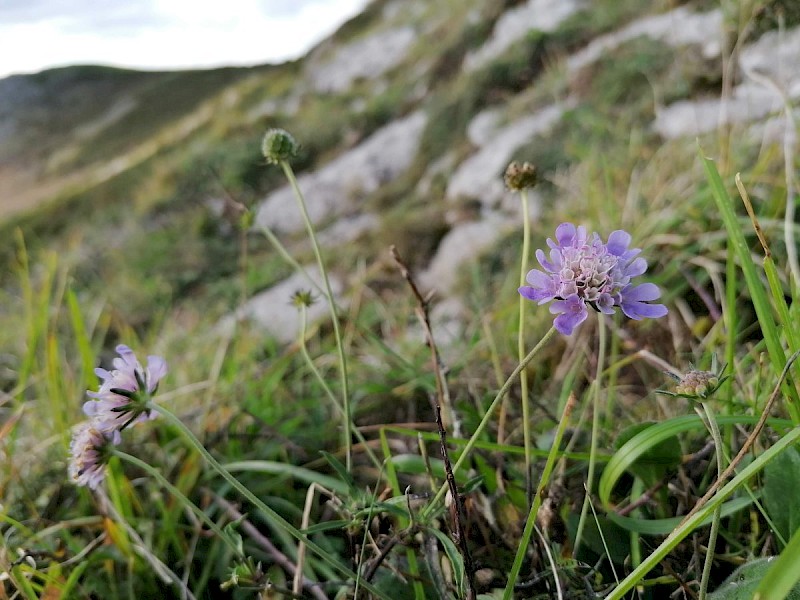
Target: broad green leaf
[780,492]
[743,582]
[781,580]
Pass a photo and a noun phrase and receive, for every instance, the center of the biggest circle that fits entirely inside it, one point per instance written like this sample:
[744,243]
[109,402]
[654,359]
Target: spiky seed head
[278,146]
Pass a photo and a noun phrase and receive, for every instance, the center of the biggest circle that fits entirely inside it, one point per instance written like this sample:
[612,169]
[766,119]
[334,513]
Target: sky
[163,34]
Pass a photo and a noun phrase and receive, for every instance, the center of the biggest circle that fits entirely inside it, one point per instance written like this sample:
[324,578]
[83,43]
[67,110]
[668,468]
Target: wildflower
[520,176]
[278,146]
[89,450]
[583,271]
[124,395]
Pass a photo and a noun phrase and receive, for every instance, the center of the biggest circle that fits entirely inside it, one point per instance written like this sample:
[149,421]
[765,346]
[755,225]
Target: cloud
[81,16]
[163,34]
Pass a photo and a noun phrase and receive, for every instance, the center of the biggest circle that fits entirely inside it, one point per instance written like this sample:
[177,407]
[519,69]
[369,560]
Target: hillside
[137,208]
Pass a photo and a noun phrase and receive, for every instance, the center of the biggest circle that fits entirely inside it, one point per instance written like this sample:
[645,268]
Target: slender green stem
[713,428]
[485,420]
[276,519]
[523,376]
[601,359]
[348,443]
[153,472]
[530,523]
[281,249]
[328,392]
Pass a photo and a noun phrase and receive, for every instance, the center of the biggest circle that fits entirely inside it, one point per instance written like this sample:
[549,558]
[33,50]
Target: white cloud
[164,34]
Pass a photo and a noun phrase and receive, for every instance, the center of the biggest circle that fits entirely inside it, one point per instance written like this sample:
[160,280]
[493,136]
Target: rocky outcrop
[336,188]
[771,76]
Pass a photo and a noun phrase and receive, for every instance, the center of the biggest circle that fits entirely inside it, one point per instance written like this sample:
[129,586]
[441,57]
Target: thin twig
[748,443]
[457,509]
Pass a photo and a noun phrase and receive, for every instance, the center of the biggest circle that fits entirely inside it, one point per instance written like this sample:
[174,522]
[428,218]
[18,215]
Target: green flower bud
[278,146]
[698,383]
[302,298]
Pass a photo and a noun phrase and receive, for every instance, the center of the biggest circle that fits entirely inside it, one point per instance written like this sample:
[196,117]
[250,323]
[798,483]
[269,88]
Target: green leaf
[743,582]
[780,581]
[341,470]
[657,555]
[755,284]
[656,460]
[666,526]
[780,492]
[617,540]
[326,526]
[455,558]
[642,442]
[416,465]
[293,471]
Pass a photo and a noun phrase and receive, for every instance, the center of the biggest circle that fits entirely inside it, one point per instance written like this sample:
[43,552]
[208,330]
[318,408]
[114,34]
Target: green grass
[143,260]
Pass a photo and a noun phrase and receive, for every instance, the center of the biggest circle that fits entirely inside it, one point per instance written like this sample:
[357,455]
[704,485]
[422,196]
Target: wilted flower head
[89,450]
[583,270]
[278,146]
[520,176]
[122,398]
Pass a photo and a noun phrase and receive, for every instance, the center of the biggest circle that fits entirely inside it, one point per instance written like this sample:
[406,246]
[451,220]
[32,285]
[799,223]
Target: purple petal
[637,267]
[573,313]
[565,234]
[157,368]
[618,242]
[605,304]
[634,298]
[546,264]
[640,293]
[540,280]
[640,310]
[540,296]
[90,407]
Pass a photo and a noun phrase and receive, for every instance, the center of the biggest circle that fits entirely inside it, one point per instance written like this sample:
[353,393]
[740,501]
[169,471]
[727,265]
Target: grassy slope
[156,268]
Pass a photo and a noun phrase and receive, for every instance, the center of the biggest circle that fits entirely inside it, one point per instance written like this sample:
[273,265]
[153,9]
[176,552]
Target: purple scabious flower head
[89,450]
[583,271]
[125,392]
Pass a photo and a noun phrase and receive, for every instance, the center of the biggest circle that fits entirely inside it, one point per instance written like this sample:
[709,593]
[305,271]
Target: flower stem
[348,443]
[276,519]
[601,359]
[321,380]
[523,376]
[530,523]
[153,472]
[713,428]
[485,420]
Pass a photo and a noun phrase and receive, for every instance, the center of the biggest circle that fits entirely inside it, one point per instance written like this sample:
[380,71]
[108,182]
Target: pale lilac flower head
[123,396]
[582,270]
[89,450]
